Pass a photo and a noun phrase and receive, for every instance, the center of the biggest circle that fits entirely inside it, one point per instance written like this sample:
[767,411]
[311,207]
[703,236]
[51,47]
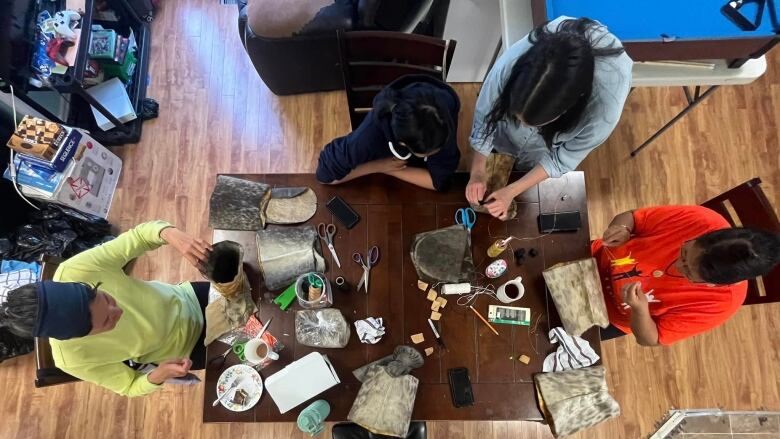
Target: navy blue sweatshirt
[369,141]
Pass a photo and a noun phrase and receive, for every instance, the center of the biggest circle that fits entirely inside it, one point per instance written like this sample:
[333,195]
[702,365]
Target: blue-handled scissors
[372,257]
[466,217]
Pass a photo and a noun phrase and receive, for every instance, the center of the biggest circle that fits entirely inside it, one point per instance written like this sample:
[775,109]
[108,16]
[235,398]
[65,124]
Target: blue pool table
[657,30]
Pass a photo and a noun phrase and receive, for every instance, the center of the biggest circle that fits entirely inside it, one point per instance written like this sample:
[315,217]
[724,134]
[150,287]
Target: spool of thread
[497,247]
[342,284]
[456,289]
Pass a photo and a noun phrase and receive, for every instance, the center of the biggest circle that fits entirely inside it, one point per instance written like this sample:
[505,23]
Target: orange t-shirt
[685,308]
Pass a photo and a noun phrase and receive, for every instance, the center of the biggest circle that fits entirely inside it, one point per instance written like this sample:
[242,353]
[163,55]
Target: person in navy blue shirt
[410,134]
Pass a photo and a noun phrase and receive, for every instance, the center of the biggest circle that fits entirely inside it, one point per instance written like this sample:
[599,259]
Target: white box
[301,380]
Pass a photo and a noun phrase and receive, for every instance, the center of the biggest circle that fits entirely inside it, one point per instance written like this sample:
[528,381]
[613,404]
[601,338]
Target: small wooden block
[435,306]
[442,301]
[432,295]
[422,285]
[435,315]
[525,359]
[428,352]
[418,338]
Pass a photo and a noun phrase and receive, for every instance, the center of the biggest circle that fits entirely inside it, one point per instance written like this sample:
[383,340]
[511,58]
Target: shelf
[75,74]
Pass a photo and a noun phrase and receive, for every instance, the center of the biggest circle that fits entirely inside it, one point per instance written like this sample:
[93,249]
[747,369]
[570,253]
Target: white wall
[476,26]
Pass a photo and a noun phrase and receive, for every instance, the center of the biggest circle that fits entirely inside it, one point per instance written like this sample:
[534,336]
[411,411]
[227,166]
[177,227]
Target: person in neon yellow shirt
[97,317]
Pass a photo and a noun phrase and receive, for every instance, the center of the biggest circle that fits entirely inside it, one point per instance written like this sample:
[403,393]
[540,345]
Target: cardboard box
[301,380]
[37,137]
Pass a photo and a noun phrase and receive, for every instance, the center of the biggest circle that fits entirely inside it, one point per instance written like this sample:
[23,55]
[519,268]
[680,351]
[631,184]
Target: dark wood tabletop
[391,213]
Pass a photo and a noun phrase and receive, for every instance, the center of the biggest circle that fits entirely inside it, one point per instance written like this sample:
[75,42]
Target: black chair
[372,59]
[417,430]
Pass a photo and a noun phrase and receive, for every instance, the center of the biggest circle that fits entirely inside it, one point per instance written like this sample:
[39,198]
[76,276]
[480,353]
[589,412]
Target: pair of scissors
[466,217]
[367,263]
[327,232]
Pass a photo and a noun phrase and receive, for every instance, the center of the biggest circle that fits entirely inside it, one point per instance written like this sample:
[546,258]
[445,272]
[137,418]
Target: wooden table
[392,212]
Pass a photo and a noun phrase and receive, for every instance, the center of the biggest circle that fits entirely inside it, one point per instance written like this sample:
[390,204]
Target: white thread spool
[452,289]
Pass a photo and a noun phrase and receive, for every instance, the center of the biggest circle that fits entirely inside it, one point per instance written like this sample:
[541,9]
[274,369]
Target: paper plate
[249,380]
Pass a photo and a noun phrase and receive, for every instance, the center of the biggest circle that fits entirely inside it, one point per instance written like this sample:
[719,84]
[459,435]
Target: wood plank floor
[217,116]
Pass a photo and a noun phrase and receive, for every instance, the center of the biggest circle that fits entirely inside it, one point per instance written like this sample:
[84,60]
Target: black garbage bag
[12,345]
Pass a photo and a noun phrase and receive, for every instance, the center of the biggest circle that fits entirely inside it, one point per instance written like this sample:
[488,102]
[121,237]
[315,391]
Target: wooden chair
[746,205]
[372,59]
[46,373]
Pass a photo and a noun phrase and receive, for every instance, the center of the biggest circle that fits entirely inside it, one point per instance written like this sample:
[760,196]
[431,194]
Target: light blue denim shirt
[611,84]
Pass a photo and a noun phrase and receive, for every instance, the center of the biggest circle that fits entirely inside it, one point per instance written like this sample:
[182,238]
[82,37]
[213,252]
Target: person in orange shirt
[672,272]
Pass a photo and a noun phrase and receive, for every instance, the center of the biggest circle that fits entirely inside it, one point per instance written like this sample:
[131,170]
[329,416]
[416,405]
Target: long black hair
[553,79]
[736,254]
[416,119]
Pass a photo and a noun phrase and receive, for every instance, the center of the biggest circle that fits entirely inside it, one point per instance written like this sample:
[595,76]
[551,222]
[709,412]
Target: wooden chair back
[747,206]
[46,372]
[372,59]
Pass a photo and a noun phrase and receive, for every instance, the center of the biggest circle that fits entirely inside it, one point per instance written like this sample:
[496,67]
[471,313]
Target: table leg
[692,103]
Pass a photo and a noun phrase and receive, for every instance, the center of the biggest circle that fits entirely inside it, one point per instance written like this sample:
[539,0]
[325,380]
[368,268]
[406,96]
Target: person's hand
[499,202]
[387,165]
[615,236]
[634,297]
[194,250]
[475,190]
[168,369]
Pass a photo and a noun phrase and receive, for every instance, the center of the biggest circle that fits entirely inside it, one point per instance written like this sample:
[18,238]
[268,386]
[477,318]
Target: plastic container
[302,292]
[312,418]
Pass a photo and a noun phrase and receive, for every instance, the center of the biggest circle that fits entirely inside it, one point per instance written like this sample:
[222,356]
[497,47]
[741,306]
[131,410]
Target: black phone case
[343,212]
[563,222]
[460,387]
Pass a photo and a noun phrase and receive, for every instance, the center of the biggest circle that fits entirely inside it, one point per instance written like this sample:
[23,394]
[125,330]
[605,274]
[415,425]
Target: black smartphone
[559,222]
[460,387]
[343,212]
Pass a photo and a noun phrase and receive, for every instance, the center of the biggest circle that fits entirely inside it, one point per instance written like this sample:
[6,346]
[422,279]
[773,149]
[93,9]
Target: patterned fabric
[498,168]
[573,352]
[384,404]
[443,255]
[576,290]
[15,279]
[576,399]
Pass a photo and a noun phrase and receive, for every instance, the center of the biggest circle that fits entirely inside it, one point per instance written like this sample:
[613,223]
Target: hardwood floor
[217,116]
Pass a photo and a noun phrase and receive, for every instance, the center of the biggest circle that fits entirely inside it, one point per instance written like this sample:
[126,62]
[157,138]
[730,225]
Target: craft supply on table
[312,418]
[401,362]
[456,289]
[326,233]
[573,352]
[432,296]
[443,255]
[435,315]
[483,320]
[313,291]
[219,361]
[233,305]
[466,217]
[575,288]
[422,285]
[239,377]
[301,380]
[525,359]
[284,253]
[511,291]
[384,402]
[436,334]
[418,338]
[496,269]
[519,255]
[370,330]
[509,315]
[322,328]
[286,298]
[342,284]
[428,352]
[371,259]
[498,247]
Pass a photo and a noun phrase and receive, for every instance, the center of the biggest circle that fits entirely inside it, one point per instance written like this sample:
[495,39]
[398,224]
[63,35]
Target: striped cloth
[572,353]
[14,279]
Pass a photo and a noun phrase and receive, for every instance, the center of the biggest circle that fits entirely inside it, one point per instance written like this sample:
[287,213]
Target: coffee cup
[511,291]
[257,350]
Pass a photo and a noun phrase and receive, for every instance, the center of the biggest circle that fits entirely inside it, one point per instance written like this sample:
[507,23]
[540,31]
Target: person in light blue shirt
[549,100]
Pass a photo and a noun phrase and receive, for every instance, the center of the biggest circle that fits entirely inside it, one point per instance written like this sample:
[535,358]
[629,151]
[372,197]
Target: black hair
[19,313]
[553,79]
[736,254]
[416,120]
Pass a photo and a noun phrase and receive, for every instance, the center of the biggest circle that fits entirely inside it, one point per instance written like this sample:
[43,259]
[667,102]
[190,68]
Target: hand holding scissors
[371,259]
[327,232]
[466,217]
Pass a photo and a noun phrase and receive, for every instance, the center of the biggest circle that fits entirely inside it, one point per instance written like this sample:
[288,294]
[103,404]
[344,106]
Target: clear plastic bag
[323,328]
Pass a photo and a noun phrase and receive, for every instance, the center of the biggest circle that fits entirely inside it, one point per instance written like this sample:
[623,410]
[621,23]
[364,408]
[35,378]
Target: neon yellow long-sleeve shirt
[159,321]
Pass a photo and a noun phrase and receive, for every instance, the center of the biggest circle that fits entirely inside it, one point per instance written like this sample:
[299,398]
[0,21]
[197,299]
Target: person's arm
[416,176]
[642,324]
[121,379]
[386,166]
[475,190]
[500,200]
[619,230]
